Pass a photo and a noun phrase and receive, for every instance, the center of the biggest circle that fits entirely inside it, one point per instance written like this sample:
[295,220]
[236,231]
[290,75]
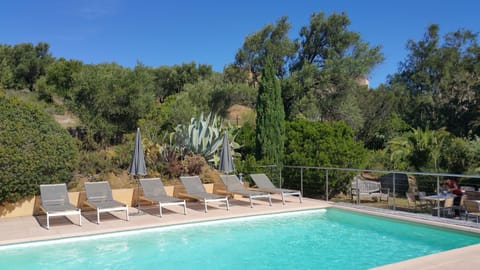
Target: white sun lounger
[195,189]
[264,184]
[55,202]
[154,191]
[99,197]
[233,185]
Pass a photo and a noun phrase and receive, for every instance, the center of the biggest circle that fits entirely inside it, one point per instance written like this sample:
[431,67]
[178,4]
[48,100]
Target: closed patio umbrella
[226,161]
[137,165]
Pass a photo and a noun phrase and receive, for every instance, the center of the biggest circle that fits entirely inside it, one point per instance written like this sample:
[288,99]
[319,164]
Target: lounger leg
[251,204]
[184,208]
[205,206]
[228,206]
[126,213]
[283,199]
[270,200]
[160,206]
[98,216]
[80,217]
[48,221]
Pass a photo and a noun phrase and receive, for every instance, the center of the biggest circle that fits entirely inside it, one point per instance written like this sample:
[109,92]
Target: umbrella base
[138,213]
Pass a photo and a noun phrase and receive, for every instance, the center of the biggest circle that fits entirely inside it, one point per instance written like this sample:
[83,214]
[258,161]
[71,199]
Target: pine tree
[270,129]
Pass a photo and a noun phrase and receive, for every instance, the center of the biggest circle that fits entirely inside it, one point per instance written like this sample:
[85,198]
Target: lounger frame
[233,185]
[195,189]
[264,184]
[154,191]
[99,197]
[55,202]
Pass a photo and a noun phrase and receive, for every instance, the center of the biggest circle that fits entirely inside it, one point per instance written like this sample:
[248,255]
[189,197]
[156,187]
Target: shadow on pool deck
[27,229]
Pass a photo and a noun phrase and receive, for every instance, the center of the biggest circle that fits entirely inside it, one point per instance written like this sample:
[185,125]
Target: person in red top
[452,187]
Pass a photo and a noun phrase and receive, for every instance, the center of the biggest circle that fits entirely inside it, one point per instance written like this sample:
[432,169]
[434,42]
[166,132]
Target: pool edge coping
[145,228]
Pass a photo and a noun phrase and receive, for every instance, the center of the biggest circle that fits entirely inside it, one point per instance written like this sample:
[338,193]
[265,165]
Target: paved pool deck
[32,228]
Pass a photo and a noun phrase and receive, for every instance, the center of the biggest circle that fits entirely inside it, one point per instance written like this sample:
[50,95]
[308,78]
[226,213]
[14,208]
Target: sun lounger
[55,202]
[154,191]
[195,189]
[472,209]
[264,184]
[233,185]
[99,196]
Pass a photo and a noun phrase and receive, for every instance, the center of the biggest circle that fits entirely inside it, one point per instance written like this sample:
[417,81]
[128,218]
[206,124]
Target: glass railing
[415,192]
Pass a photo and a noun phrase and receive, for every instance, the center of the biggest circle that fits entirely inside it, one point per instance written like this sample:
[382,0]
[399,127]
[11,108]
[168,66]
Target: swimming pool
[318,239]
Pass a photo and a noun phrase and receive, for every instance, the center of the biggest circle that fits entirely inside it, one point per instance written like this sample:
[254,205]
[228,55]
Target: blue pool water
[319,239]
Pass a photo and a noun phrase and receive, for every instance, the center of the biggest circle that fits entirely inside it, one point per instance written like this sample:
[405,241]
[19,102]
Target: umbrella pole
[137,199]
[138,195]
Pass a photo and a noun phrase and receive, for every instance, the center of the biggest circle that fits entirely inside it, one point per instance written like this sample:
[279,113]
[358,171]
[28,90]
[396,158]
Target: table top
[440,197]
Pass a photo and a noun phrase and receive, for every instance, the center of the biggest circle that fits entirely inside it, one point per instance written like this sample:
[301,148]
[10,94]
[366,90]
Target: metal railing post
[301,180]
[394,195]
[326,184]
[438,193]
[281,183]
[357,192]
[438,185]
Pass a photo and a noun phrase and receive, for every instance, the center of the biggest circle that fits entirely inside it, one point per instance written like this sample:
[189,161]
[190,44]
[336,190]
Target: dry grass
[67,120]
[239,114]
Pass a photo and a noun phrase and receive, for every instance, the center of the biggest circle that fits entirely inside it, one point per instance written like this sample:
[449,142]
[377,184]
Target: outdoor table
[439,198]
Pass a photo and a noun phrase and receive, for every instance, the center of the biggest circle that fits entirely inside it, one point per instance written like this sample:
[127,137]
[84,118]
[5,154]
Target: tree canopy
[324,76]
[442,80]
[270,127]
[33,150]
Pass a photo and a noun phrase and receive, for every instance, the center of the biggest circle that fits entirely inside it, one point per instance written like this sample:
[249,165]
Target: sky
[165,33]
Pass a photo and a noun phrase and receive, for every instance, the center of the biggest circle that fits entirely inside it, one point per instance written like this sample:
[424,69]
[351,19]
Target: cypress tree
[270,129]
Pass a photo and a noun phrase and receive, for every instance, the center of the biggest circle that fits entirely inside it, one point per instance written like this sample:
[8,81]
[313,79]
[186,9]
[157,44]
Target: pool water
[318,239]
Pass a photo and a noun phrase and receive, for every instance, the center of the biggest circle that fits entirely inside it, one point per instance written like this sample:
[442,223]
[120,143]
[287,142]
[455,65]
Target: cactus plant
[202,136]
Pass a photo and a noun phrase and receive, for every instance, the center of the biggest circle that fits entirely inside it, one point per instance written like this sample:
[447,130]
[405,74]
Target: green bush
[246,139]
[456,156]
[34,150]
[323,144]
[94,162]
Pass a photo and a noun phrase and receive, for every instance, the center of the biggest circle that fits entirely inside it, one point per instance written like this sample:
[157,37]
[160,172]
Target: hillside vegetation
[67,121]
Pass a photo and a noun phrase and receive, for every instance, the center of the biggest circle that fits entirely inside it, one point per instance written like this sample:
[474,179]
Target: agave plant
[202,136]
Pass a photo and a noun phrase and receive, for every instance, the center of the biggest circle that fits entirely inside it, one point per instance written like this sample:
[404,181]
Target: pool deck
[27,229]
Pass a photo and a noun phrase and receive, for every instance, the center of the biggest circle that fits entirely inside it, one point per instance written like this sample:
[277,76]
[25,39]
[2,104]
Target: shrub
[94,162]
[331,144]
[246,139]
[34,150]
[456,156]
[193,164]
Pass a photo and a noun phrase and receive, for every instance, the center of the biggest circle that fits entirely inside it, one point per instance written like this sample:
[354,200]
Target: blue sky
[158,33]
